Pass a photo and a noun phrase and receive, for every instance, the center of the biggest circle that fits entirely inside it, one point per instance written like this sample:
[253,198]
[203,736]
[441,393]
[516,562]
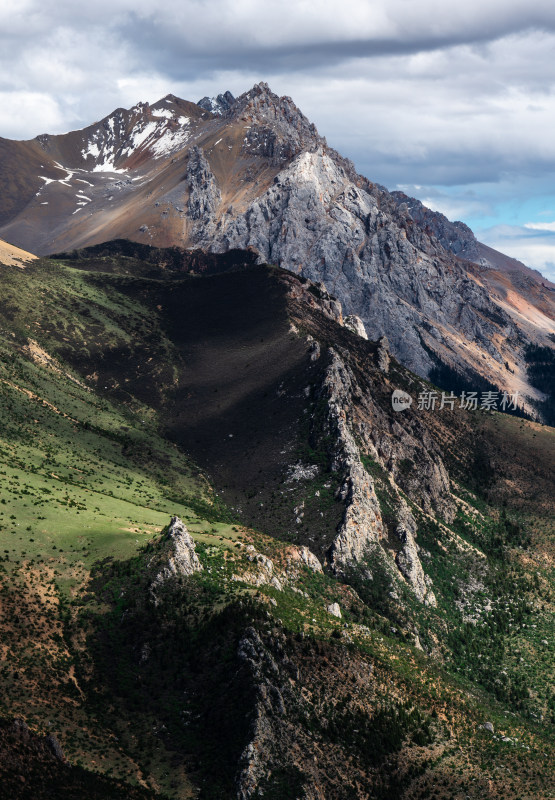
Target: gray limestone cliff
[388,443]
[407,557]
[361,527]
[453,236]
[322,221]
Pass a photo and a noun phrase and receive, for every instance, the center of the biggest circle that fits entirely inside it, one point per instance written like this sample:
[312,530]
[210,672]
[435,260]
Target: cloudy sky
[453,103]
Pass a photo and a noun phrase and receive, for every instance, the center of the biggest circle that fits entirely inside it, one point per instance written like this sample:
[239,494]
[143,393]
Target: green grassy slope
[106,380]
[81,479]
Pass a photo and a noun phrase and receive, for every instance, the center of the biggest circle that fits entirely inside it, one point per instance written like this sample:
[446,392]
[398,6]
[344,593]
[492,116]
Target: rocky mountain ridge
[258,175]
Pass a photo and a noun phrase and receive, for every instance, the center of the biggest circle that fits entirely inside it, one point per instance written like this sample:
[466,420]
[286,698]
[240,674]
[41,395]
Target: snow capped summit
[71,178]
[147,131]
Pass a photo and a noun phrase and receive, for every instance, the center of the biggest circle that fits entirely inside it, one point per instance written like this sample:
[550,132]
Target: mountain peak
[262,98]
[278,128]
[258,175]
[217,105]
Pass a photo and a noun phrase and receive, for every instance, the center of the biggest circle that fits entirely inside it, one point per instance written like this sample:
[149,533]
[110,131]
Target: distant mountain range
[253,172]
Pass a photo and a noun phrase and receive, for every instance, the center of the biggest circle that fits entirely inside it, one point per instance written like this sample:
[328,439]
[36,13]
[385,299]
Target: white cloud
[462,87]
[534,248]
[454,208]
[23,111]
[540,226]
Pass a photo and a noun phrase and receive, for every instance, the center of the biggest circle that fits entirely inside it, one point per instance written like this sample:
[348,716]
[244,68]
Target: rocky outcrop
[453,236]
[176,556]
[303,556]
[55,748]
[279,131]
[324,222]
[315,296]
[217,105]
[204,194]
[263,571]
[356,325]
[335,610]
[407,557]
[269,704]
[361,527]
[23,737]
[383,354]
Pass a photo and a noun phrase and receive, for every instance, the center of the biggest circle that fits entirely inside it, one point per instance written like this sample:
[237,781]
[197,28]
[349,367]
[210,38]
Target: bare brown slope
[10,255]
[145,198]
[21,164]
[504,263]
[523,293]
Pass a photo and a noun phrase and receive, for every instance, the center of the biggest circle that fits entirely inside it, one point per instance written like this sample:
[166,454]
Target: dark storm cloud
[170,55]
[415,92]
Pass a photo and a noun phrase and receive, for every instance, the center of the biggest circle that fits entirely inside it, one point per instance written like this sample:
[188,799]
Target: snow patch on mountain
[92,150]
[164,112]
[108,166]
[170,141]
[158,135]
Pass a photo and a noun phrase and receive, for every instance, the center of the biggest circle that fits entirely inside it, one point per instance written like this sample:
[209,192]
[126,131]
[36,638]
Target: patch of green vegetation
[133,663]
[485,601]
[83,477]
[375,737]
[374,583]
